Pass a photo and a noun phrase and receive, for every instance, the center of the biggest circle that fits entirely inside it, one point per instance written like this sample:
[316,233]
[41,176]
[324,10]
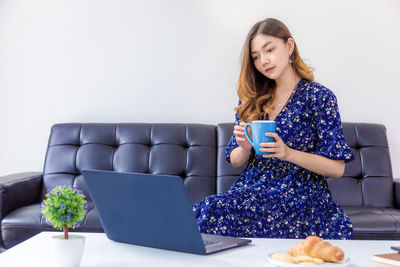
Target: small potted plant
[63,208]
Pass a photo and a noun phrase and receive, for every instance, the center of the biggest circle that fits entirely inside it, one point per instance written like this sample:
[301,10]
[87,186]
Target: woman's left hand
[277,149]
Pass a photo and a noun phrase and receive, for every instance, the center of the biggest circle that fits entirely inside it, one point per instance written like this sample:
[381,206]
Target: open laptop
[150,210]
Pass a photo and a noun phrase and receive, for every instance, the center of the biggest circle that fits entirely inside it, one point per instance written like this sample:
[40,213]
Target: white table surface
[101,252]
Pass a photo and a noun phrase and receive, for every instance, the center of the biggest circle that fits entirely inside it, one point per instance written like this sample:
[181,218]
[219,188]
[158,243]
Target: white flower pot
[67,252]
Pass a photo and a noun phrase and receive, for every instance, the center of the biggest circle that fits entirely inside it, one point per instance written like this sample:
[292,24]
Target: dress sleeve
[331,142]
[232,144]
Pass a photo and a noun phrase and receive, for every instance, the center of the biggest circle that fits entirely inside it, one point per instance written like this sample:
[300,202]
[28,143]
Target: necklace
[279,105]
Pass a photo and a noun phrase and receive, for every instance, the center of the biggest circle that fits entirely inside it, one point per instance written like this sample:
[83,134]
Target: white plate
[345,262]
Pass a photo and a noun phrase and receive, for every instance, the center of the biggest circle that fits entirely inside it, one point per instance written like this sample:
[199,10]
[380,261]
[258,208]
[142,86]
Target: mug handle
[246,133]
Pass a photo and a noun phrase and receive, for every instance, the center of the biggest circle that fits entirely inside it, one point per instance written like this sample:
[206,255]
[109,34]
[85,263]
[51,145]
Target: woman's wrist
[244,150]
[291,155]
[239,156]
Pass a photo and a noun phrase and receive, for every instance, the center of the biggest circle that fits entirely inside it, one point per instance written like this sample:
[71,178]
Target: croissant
[316,247]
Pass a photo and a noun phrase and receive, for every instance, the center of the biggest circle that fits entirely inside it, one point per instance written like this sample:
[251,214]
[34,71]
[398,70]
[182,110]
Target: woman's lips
[268,70]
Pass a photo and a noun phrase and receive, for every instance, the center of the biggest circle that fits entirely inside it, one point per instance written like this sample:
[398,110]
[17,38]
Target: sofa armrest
[18,190]
[396,192]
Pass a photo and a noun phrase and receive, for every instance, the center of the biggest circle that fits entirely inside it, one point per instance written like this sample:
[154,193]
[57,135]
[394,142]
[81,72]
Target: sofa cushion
[374,223]
[29,221]
[367,179]
[186,150]
[226,173]
[369,176]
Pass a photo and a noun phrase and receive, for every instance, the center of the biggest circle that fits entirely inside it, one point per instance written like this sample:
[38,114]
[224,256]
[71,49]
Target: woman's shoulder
[315,91]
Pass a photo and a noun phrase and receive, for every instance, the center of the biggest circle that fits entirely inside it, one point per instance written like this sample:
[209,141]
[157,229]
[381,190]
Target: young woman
[283,194]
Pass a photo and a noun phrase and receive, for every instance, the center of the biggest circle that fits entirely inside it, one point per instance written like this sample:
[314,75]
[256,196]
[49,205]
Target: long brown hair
[256,91]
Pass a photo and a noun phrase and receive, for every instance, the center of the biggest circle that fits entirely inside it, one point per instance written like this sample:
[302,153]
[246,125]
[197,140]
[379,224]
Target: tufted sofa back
[196,152]
[226,173]
[186,150]
[367,180]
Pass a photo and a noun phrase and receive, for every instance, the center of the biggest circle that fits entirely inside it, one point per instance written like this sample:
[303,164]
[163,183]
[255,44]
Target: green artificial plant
[64,207]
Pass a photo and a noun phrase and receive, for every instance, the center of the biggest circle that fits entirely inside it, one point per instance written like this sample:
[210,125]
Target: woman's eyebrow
[261,47]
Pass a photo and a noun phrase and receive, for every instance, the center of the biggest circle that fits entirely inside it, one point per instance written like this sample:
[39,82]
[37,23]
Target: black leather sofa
[367,191]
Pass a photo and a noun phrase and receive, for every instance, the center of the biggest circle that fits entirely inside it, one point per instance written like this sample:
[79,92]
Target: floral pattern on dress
[274,198]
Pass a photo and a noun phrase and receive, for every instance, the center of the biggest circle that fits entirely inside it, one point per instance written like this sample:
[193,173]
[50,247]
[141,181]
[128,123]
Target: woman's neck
[287,81]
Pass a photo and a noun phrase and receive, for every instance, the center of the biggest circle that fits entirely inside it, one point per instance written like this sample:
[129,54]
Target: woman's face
[271,54]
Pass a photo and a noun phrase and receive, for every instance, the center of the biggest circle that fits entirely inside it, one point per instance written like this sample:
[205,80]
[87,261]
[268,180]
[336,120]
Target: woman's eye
[254,58]
[270,50]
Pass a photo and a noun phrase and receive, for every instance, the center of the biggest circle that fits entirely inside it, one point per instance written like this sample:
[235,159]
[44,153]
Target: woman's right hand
[238,131]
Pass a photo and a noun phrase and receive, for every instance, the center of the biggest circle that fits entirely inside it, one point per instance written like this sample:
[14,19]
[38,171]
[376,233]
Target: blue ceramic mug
[258,130]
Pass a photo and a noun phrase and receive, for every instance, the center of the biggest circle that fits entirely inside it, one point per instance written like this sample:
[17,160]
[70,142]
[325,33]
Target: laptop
[151,210]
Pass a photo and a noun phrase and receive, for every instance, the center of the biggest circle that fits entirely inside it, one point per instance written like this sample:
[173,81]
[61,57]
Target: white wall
[178,61]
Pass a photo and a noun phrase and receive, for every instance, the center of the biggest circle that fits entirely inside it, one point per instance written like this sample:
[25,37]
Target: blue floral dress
[274,198]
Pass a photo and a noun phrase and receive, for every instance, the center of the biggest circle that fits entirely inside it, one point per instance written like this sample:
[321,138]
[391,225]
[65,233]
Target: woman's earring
[290,61]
